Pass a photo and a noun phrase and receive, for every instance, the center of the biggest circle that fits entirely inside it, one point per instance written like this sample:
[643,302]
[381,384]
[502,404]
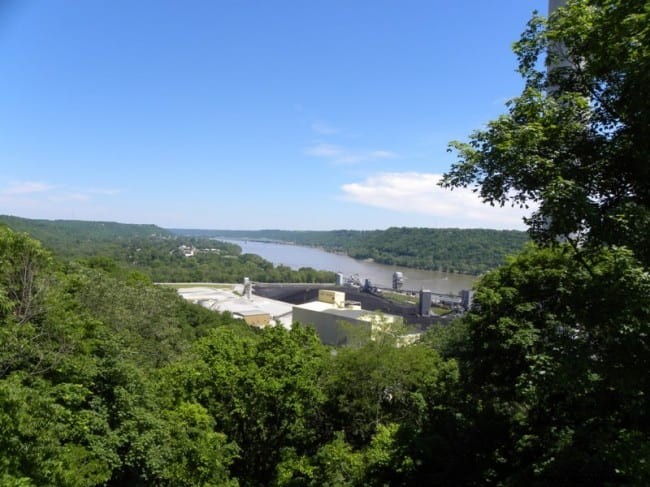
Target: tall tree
[559,344]
[557,369]
[262,390]
[576,141]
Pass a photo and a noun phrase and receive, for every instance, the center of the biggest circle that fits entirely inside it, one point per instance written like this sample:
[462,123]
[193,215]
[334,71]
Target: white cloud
[41,200]
[62,197]
[37,188]
[382,154]
[324,150]
[342,155]
[412,192]
[103,192]
[323,128]
[26,187]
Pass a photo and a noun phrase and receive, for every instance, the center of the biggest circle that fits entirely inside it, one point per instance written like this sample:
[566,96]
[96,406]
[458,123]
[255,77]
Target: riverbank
[342,253]
[381,275]
[468,252]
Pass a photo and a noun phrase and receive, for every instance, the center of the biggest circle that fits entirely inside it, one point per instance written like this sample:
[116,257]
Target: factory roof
[328,308]
[315,306]
[226,299]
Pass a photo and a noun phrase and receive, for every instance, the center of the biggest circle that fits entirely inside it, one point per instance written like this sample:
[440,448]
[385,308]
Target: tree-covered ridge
[470,251]
[157,254]
[62,234]
[80,349]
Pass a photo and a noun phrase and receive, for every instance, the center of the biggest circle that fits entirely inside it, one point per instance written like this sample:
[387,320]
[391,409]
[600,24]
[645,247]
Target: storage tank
[425,303]
[398,280]
[339,279]
[247,287]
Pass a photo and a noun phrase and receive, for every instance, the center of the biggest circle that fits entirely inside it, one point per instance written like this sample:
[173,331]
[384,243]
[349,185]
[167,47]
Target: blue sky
[250,114]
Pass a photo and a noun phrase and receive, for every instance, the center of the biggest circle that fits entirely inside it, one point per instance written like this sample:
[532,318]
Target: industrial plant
[340,314]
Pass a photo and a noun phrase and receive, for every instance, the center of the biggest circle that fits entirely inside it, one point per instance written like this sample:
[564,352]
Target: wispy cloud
[382,154]
[342,155]
[26,188]
[103,192]
[323,128]
[324,150]
[412,192]
[52,191]
[69,196]
[46,200]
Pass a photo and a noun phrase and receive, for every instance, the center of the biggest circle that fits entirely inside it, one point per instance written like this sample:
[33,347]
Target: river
[380,275]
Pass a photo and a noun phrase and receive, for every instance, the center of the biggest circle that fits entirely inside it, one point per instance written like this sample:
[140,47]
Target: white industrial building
[340,322]
[255,310]
[337,321]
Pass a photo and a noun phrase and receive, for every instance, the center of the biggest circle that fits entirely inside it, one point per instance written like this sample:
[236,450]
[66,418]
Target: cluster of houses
[190,250]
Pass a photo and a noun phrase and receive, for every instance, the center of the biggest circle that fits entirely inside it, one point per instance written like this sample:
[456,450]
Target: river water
[380,275]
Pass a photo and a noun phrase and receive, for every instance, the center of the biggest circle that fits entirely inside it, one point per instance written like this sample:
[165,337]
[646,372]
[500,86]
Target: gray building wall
[334,328]
[425,302]
[553,4]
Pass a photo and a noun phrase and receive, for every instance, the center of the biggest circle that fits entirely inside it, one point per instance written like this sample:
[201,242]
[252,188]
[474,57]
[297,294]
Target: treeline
[74,238]
[163,260]
[468,251]
[153,250]
[157,253]
[106,379]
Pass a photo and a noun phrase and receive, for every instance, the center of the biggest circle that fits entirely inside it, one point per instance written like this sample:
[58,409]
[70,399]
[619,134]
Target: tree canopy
[575,142]
[557,349]
[152,252]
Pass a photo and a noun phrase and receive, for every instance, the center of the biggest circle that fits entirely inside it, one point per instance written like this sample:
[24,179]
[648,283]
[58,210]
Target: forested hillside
[74,238]
[469,251]
[106,379]
[156,253]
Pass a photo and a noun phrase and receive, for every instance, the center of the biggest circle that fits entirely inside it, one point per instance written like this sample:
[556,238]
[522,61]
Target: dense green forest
[156,253]
[75,238]
[107,379]
[468,251]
